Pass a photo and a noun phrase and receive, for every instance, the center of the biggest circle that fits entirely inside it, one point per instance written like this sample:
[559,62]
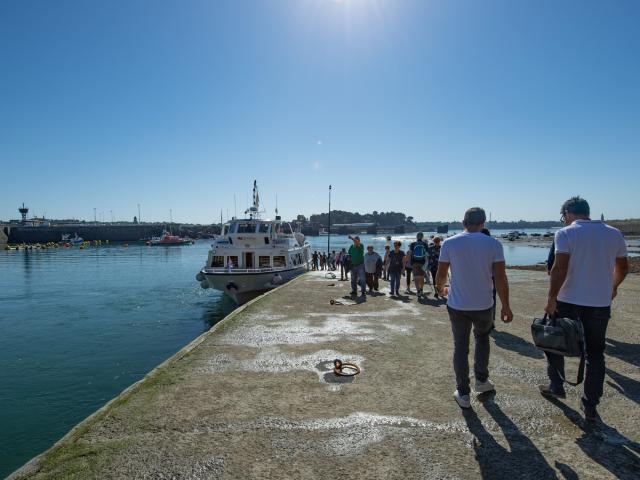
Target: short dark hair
[576,205]
[474,216]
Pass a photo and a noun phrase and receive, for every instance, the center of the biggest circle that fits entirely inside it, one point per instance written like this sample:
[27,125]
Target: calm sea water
[79,326]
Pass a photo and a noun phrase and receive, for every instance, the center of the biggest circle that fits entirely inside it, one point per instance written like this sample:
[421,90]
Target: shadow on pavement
[516,344]
[522,460]
[628,387]
[432,302]
[355,299]
[628,352]
[567,472]
[605,445]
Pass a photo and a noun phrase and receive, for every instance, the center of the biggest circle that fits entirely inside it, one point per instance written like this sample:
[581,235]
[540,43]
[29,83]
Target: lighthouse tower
[23,211]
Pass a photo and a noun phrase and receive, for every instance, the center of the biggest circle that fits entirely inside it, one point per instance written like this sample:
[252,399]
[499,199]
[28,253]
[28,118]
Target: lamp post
[329,235]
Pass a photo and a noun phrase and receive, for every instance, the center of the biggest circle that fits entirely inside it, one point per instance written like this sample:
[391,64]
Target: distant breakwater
[90,232]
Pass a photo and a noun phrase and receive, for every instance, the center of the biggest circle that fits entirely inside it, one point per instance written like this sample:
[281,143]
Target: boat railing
[244,270]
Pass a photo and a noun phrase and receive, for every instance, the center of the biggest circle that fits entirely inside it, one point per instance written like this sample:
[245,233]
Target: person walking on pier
[434,255]
[314,261]
[341,260]
[590,264]
[408,268]
[396,266]
[356,255]
[372,268]
[418,251]
[385,263]
[473,257]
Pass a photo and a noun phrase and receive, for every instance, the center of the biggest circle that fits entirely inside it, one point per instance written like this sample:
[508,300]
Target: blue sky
[426,107]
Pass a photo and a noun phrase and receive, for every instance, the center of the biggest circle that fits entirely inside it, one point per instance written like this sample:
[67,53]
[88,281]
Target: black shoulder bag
[562,336]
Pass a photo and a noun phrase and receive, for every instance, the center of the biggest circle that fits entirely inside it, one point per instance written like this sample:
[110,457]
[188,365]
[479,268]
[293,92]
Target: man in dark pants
[590,263]
[474,259]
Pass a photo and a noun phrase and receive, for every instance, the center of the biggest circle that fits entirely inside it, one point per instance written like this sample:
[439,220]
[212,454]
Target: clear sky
[425,106]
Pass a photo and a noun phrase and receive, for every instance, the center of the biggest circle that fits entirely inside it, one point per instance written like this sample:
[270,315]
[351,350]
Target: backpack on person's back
[419,252]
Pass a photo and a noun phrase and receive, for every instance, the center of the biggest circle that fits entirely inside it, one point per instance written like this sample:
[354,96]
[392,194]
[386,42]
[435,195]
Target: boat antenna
[235,208]
[276,204]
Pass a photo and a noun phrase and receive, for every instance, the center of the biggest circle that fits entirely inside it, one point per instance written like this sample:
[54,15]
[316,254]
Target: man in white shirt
[590,263]
[475,260]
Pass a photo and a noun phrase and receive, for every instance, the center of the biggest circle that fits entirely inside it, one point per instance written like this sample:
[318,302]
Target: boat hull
[242,287]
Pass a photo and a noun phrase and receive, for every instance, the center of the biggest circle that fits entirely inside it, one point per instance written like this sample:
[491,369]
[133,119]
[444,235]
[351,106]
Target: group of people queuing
[331,262]
[419,261]
[589,263]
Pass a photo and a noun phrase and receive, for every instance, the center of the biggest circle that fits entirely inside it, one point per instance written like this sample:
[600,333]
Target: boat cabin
[256,245]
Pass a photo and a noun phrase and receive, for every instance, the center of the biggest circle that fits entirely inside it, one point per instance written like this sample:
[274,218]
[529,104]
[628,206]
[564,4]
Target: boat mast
[254,210]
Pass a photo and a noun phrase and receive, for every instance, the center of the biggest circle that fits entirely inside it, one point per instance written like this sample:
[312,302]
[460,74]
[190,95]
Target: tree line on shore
[394,219]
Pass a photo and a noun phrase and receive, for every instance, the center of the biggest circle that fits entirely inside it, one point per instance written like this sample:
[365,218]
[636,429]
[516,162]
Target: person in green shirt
[356,252]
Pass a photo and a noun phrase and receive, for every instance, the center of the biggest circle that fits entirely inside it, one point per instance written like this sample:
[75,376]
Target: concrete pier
[256,398]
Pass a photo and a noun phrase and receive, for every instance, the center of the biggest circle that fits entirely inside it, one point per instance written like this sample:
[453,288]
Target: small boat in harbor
[76,240]
[168,239]
[254,255]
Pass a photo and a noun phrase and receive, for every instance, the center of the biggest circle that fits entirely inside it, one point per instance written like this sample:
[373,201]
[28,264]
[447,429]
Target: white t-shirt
[471,257]
[593,248]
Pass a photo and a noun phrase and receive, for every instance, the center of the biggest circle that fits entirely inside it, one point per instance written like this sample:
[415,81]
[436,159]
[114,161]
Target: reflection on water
[217,311]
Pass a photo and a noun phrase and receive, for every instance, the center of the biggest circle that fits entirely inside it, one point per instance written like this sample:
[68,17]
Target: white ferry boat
[254,255]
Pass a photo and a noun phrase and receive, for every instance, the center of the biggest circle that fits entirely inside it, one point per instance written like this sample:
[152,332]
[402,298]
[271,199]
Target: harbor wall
[110,232]
[113,233]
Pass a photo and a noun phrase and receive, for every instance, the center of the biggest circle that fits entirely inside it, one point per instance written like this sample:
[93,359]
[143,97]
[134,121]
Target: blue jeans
[594,321]
[357,277]
[394,278]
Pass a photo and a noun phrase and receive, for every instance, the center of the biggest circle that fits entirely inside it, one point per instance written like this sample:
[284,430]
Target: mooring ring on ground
[345,369]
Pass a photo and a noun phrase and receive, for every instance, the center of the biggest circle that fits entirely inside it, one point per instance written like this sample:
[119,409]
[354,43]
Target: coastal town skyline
[422,107]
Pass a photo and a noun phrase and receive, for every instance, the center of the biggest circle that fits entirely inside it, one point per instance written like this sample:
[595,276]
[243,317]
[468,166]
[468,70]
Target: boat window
[263,228]
[246,228]
[233,259]
[217,261]
[286,229]
[279,261]
[264,262]
[225,229]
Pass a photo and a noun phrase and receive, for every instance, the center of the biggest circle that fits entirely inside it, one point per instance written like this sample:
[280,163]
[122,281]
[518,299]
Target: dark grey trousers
[461,323]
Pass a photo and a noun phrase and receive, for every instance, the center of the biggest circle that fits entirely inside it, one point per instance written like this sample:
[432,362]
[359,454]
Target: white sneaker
[463,400]
[482,387]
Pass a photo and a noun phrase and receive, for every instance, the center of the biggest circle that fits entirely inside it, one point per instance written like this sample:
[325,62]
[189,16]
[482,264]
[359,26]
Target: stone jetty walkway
[256,398]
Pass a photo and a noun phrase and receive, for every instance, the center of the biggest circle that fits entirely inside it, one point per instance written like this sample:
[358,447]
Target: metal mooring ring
[339,368]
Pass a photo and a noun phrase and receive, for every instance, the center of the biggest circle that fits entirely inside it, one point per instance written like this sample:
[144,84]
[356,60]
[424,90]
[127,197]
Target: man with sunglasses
[590,263]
